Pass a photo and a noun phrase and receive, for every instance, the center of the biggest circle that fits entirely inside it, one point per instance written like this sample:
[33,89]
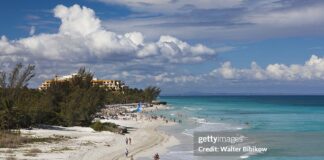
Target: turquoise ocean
[249,114]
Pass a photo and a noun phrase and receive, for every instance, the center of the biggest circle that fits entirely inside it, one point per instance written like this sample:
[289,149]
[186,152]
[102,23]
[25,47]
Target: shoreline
[84,143]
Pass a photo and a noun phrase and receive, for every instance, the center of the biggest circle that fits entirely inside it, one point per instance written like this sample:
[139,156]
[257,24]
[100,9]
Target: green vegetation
[61,149]
[33,152]
[112,127]
[14,139]
[67,103]
[132,95]
[11,140]
[72,102]
[11,158]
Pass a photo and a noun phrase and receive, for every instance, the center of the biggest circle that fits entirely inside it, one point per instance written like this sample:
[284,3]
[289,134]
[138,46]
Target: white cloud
[171,6]
[177,51]
[249,20]
[308,15]
[77,20]
[227,71]
[6,47]
[313,69]
[32,30]
[176,78]
[82,38]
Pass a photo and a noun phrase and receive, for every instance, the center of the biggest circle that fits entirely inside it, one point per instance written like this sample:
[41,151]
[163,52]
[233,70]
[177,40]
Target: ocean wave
[244,157]
[211,127]
[188,132]
[170,107]
[192,109]
[182,152]
[179,155]
[199,120]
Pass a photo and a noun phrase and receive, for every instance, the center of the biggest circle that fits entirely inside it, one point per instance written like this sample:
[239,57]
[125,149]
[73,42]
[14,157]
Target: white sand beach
[83,143]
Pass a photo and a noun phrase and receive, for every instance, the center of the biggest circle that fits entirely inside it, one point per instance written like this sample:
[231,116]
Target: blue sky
[183,46]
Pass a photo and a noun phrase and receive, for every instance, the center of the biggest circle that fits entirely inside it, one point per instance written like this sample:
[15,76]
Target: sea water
[281,114]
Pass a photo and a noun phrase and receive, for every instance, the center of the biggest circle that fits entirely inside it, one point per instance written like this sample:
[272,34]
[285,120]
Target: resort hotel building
[115,85]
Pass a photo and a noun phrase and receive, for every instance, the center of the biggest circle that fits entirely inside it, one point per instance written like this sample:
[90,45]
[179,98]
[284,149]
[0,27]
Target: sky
[182,46]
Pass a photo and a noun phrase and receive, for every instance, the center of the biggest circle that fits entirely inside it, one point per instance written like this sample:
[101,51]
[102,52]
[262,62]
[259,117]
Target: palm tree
[151,93]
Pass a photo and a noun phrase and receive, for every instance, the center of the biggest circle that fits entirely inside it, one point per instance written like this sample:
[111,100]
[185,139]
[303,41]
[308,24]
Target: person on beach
[156,157]
[126,140]
[129,141]
[126,152]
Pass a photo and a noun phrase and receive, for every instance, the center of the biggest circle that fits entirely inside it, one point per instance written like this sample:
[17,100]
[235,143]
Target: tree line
[67,103]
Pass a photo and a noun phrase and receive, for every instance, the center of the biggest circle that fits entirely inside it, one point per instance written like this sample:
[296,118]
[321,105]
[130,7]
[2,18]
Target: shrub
[11,158]
[14,140]
[98,126]
[33,152]
[61,149]
[11,140]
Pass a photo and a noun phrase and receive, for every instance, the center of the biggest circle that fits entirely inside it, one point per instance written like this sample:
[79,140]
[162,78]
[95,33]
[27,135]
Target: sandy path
[151,139]
[146,141]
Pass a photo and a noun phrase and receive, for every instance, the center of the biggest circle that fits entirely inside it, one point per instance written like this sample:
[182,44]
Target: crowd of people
[116,112]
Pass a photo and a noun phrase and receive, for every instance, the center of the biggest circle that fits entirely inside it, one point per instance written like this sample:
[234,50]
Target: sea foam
[205,126]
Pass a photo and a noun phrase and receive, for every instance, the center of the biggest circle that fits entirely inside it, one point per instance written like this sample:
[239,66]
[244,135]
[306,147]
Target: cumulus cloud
[313,69]
[6,47]
[77,20]
[81,38]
